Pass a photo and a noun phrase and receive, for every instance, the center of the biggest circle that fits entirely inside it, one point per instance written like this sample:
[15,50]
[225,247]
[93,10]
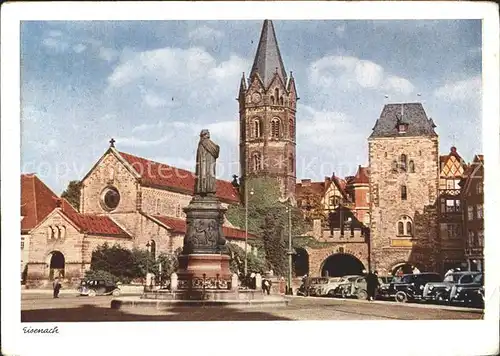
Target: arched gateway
[56,264]
[341,264]
[300,262]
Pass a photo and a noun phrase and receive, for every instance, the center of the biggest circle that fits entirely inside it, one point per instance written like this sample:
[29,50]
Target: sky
[153,85]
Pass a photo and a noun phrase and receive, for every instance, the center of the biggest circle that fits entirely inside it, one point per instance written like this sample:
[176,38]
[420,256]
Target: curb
[132,302]
[410,305]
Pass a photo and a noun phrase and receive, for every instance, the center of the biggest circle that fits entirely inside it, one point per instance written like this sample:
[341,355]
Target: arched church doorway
[341,264]
[300,262]
[56,265]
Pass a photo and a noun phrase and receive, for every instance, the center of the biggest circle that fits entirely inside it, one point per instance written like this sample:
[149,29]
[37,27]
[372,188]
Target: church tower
[267,104]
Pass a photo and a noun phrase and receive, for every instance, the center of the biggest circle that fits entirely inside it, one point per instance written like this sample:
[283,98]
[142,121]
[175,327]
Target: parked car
[315,285]
[355,288]
[93,287]
[440,291]
[327,288]
[384,291]
[471,294]
[411,286]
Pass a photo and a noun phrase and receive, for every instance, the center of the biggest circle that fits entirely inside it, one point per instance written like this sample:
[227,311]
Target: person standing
[56,286]
[371,285]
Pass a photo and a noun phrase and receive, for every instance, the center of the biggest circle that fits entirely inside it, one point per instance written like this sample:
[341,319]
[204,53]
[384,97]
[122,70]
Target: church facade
[126,200]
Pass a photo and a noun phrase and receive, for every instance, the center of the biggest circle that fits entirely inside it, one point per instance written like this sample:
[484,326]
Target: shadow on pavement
[92,313]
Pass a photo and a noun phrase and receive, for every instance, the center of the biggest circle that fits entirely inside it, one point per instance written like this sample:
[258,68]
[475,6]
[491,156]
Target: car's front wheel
[362,294]
[401,297]
[331,293]
[92,293]
[116,293]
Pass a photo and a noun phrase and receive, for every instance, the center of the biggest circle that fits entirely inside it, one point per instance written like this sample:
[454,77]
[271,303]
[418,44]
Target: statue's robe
[207,154]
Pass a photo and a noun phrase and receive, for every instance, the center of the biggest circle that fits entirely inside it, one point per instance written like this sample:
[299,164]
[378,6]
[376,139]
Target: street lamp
[148,245]
[246,226]
[290,251]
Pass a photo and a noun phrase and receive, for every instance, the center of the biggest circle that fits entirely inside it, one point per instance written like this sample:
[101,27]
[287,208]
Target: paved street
[43,308]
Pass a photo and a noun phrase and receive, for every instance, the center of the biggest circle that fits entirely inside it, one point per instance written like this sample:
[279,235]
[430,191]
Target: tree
[269,219]
[255,263]
[116,260]
[72,193]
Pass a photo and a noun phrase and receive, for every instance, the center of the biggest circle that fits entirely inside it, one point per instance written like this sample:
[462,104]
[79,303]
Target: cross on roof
[112,142]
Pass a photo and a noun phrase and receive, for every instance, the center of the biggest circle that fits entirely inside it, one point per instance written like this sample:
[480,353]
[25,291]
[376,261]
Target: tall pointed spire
[268,58]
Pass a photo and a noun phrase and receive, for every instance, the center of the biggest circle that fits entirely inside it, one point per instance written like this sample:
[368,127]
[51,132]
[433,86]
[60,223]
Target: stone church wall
[109,172]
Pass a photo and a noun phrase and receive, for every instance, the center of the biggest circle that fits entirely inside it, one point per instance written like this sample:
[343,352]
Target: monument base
[203,272]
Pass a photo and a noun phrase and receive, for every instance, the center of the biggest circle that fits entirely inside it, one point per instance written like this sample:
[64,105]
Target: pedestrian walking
[57,287]
[266,286]
[306,280]
[371,284]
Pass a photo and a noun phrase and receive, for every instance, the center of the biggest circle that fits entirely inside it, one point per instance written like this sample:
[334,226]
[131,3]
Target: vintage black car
[470,294]
[411,286]
[440,291]
[384,291]
[93,287]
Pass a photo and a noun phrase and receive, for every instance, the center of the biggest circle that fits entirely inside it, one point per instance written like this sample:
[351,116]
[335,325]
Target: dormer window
[402,127]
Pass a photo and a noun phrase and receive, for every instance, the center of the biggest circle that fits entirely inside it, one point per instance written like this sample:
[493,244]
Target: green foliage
[269,219]
[255,263]
[72,193]
[100,274]
[274,243]
[125,265]
[116,260]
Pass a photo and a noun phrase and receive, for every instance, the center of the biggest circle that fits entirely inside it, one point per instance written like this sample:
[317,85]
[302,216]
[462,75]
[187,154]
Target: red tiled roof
[91,223]
[179,225]
[37,201]
[159,174]
[311,188]
[361,176]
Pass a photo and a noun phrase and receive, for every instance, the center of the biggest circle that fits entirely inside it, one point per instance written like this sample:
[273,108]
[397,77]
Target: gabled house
[472,194]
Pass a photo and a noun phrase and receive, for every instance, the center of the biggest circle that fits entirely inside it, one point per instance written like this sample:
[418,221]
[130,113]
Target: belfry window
[257,128]
[275,128]
[257,162]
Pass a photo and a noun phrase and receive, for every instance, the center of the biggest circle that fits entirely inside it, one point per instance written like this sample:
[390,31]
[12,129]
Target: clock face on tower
[255,97]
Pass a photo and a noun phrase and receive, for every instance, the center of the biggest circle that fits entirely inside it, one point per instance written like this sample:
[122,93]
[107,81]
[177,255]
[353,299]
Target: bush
[100,274]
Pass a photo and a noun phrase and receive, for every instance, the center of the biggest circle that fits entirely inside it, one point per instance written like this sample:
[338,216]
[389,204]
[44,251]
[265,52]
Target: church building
[126,200]
[267,105]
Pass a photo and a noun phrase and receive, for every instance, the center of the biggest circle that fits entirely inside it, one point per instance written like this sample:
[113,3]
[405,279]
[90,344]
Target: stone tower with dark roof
[267,105]
[403,181]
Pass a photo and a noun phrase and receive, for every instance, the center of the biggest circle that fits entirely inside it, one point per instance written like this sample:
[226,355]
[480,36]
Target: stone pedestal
[204,272]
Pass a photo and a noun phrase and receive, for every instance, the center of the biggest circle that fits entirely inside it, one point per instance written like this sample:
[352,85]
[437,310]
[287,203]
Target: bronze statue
[207,154]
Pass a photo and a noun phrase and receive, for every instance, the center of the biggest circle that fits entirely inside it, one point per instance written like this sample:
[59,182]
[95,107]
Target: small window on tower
[403,162]
[291,162]
[403,192]
[291,128]
[411,166]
